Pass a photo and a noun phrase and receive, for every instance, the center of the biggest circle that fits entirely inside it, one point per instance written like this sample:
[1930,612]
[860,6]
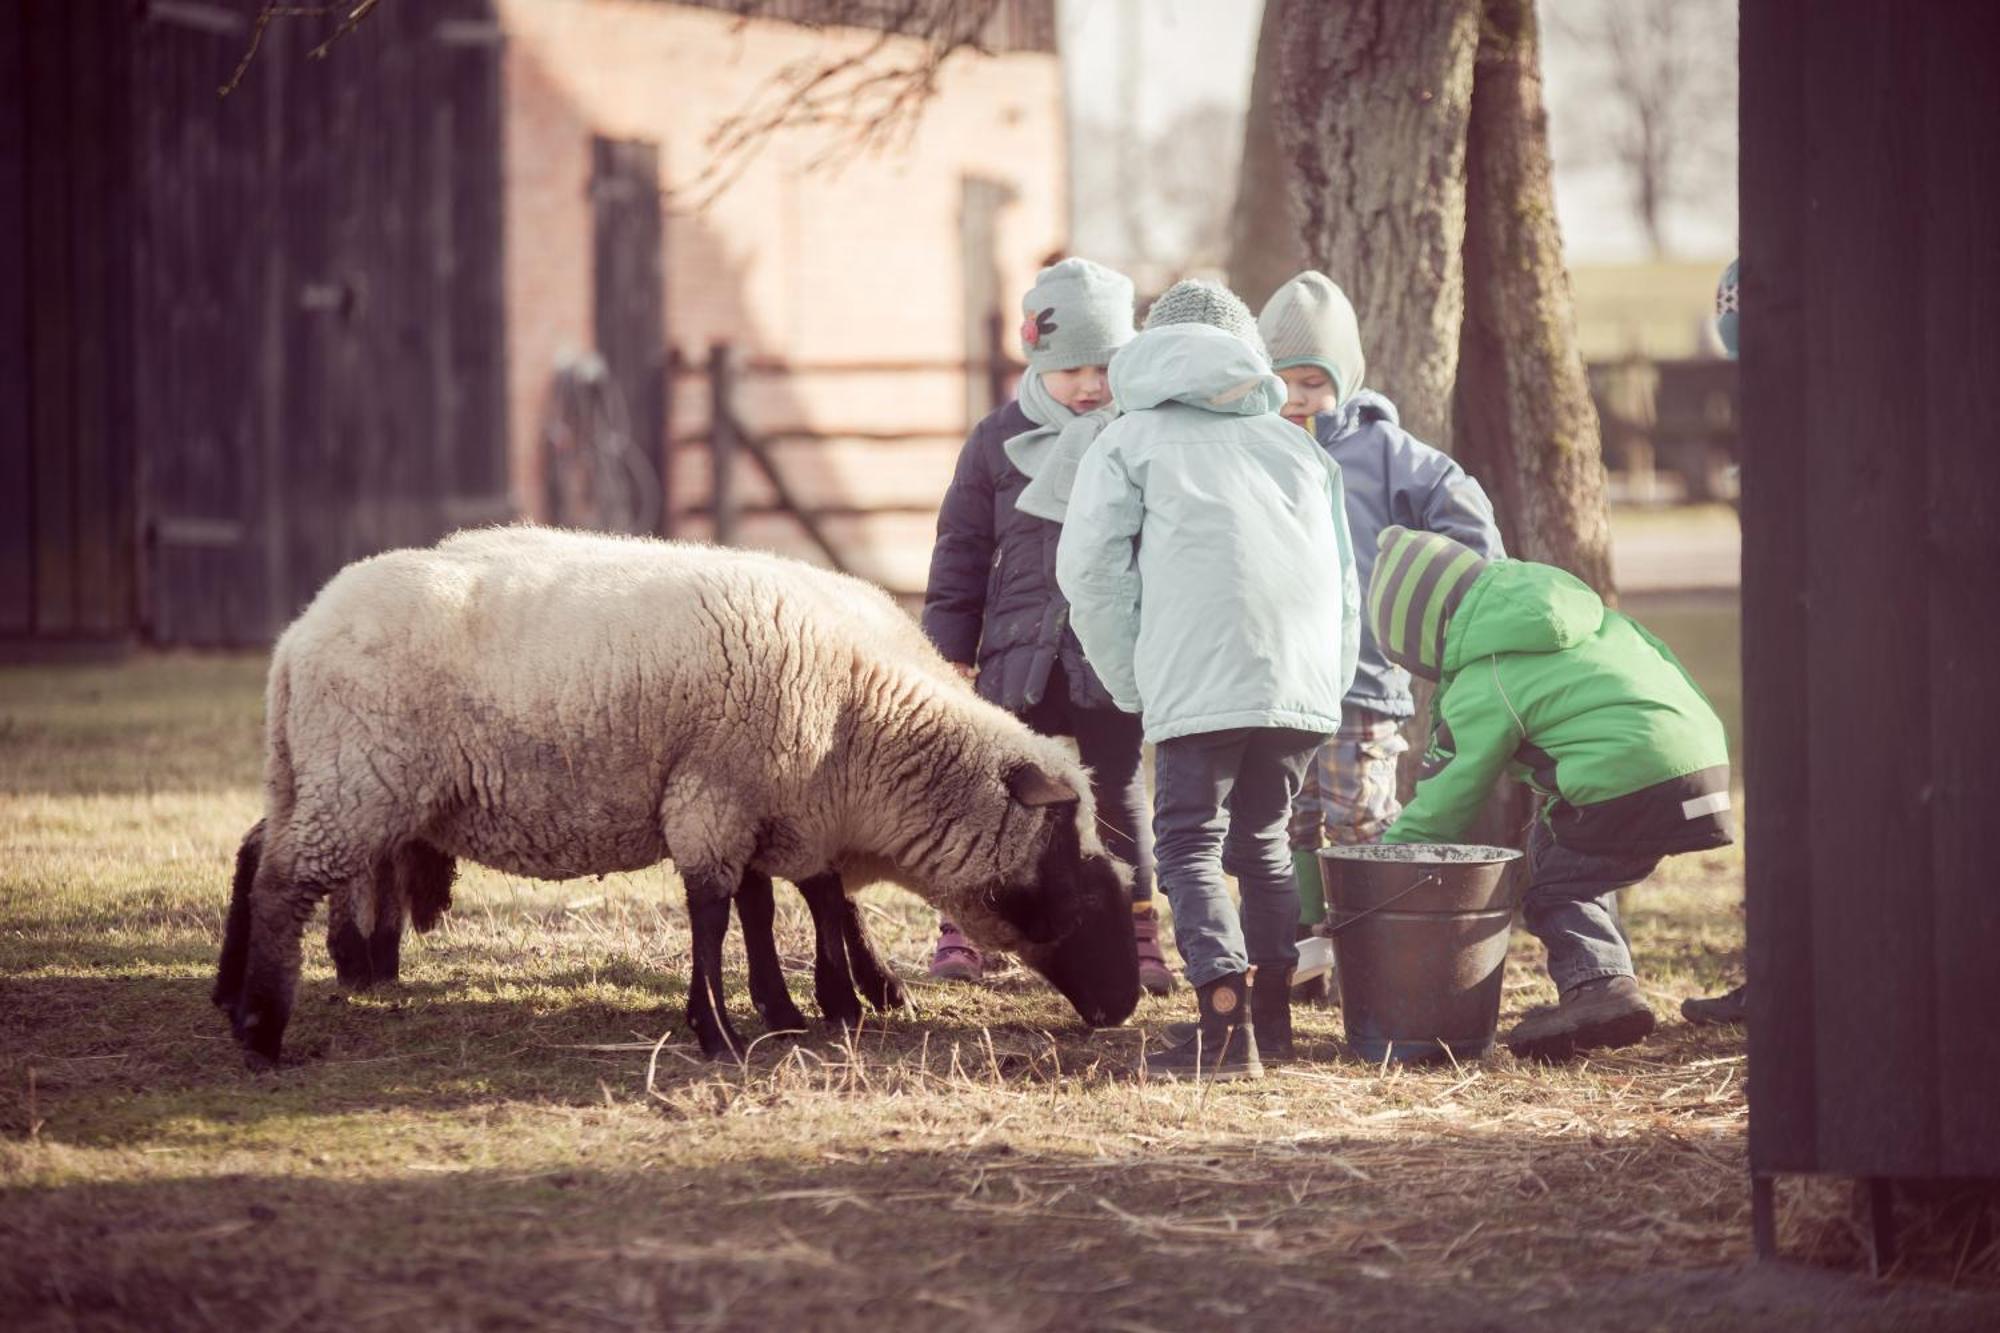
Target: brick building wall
[886,259]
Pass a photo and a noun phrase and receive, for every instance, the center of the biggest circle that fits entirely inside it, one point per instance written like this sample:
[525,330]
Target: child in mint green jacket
[1211,581]
[1540,681]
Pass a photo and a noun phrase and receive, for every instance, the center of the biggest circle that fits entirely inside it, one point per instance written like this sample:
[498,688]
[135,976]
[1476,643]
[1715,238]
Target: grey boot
[1221,1046]
[1598,1015]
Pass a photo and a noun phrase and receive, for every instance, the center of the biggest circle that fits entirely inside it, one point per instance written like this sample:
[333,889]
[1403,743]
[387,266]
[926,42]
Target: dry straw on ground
[521,1134]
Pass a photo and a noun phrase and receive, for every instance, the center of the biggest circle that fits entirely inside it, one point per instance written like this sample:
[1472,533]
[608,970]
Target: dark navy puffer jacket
[992,597]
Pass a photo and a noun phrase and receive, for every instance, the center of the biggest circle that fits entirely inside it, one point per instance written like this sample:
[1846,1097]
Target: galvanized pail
[1420,934]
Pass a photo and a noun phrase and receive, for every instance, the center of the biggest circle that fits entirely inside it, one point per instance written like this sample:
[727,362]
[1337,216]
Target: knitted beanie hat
[1077,314]
[1419,580]
[1310,322]
[1725,307]
[1199,301]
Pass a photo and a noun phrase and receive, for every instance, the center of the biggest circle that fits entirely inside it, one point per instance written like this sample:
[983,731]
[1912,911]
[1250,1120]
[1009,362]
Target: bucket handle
[1390,901]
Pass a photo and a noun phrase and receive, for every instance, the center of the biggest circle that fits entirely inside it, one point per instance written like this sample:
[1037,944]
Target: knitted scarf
[1048,455]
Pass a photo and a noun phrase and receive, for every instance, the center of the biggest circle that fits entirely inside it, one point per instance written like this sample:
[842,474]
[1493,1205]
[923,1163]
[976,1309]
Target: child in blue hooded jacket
[1391,477]
[1191,521]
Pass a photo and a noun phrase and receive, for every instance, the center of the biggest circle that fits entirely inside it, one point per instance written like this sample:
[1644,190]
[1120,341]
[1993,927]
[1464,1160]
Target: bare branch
[870,99]
[353,17]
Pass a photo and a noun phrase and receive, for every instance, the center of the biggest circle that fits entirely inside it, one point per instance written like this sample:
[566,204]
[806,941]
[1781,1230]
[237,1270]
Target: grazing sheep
[556,704]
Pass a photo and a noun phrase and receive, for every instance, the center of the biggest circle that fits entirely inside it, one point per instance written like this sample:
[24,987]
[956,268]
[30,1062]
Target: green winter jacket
[1539,681]
[1205,554]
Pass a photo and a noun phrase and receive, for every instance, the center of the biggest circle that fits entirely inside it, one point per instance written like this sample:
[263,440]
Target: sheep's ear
[1032,787]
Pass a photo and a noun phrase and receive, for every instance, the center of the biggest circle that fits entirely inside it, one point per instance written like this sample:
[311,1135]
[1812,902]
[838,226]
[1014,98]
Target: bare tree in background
[1419,153]
[1526,423]
[868,100]
[1372,112]
[1265,248]
[1655,97]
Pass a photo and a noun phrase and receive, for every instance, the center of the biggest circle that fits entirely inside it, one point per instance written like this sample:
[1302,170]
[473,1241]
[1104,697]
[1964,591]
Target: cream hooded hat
[1310,322]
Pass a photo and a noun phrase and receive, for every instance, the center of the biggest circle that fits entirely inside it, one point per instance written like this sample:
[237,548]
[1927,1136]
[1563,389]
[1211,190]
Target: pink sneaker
[956,958]
[1153,974]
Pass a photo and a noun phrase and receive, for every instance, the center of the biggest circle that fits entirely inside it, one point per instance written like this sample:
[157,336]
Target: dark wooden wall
[1871,584]
[291,298]
[67,509]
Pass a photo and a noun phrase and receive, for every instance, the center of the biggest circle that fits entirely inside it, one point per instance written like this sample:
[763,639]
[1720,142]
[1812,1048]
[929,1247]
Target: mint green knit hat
[1077,314]
[1419,580]
[1199,301]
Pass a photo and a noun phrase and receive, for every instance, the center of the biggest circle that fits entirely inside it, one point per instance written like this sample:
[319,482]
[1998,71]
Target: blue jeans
[1220,801]
[1572,908]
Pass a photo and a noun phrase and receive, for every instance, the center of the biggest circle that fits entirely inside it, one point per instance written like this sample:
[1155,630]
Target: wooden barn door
[393,411]
[67,525]
[207,308]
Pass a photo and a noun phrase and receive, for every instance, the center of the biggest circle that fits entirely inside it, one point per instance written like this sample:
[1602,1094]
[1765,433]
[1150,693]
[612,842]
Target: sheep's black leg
[756,911]
[425,874]
[348,947]
[873,976]
[707,1012]
[833,985]
[236,928]
[280,905]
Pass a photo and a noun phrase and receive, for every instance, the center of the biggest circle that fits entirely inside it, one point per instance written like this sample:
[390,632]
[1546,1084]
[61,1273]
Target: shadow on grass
[116,1059]
[1238,1234]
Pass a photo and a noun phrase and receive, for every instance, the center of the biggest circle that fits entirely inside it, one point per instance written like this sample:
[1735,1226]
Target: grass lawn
[521,1134]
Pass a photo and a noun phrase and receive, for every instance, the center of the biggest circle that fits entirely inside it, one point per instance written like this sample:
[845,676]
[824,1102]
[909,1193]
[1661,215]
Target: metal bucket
[1420,934]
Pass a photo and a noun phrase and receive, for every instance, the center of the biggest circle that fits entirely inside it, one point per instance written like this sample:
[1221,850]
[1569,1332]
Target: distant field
[1656,310]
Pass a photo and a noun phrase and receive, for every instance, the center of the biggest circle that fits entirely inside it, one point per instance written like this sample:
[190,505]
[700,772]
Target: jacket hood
[1436,606]
[1310,322]
[1198,365]
[1518,606]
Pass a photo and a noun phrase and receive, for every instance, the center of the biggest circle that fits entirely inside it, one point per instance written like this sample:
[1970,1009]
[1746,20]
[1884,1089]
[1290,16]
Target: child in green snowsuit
[1539,680]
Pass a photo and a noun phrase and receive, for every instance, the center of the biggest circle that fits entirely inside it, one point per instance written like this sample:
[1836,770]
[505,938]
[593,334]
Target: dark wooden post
[722,442]
[998,368]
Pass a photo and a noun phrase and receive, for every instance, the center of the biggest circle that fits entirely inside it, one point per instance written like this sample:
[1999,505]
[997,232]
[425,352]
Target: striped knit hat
[1420,578]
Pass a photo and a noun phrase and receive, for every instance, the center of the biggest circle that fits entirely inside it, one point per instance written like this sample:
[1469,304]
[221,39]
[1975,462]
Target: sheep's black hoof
[884,992]
[351,963]
[840,1008]
[259,1025]
[783,1017]
[361,961]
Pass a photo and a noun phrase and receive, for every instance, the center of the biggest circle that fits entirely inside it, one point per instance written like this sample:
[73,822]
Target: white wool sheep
[559,704]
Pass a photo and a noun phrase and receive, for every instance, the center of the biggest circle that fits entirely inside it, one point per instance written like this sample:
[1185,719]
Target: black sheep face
[1076,924]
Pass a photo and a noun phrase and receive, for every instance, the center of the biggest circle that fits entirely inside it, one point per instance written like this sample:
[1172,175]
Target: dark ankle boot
[1222,1045]
[1271,1012]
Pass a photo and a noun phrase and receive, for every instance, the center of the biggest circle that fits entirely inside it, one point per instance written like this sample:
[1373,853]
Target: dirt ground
[521,1135]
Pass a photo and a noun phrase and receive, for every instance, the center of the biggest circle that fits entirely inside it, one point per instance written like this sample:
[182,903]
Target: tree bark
[1372,115]
[1526,424]
[1264,245]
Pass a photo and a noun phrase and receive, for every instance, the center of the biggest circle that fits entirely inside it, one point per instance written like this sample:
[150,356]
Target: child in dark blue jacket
[992,605]
[1392,478]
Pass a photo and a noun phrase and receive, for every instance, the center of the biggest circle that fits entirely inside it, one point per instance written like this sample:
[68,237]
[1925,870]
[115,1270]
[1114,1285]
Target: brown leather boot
[1601,1014]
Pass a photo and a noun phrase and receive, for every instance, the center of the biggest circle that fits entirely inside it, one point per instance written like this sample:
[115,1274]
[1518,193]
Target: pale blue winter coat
[1206,555]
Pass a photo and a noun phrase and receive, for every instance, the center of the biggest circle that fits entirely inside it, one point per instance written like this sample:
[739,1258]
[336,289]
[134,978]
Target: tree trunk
[1264,245]
[1372,115]
[1526,424]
